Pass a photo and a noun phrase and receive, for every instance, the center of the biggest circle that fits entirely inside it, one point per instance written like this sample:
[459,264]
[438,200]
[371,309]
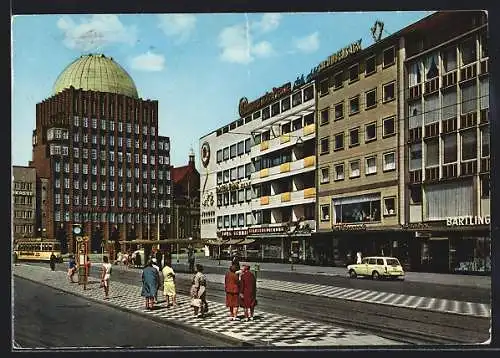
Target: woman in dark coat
[231,284]
[248,292]
[150,284]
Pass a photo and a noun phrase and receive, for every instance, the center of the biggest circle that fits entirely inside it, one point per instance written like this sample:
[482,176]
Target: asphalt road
[44,317]
[408,325]
[426,289]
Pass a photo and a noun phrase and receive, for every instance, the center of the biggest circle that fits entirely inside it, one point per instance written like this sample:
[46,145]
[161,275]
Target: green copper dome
[96,72]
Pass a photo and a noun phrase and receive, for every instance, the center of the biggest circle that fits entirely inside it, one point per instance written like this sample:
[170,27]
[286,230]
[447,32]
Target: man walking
[191,258]
[53,262]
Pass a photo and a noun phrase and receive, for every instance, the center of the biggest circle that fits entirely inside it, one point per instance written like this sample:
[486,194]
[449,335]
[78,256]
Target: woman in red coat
[232,292]
[248,292]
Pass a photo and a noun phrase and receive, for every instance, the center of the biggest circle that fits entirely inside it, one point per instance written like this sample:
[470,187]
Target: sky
[197,66]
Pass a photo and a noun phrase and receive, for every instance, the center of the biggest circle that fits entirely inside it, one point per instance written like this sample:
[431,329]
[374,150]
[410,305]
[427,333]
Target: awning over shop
[161,242]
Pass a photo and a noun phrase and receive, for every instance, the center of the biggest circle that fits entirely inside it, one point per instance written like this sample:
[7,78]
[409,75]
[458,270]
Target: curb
[223,337]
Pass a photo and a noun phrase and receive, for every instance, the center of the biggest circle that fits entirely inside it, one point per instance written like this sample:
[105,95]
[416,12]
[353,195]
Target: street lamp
[160,206]
[153,190]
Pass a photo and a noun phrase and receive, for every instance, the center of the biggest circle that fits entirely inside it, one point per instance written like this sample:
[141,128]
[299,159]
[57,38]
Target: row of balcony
[283,141]
[307,163]
[288,198]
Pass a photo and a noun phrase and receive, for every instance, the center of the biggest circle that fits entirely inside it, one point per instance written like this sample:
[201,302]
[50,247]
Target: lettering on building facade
[341,54]
[349,227]
[246,108]
[415,226]
[232,186]
[266,230]
[230,233]
[468,220]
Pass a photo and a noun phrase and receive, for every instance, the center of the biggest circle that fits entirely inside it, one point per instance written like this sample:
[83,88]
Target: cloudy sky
[197,66]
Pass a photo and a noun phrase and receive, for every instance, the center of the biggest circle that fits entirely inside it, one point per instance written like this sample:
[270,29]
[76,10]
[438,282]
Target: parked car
[377,267]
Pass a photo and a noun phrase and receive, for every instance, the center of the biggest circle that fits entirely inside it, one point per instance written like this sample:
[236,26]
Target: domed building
[99,157]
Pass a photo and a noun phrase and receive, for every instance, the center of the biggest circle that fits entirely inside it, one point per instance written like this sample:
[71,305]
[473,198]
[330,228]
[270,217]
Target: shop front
[455,245]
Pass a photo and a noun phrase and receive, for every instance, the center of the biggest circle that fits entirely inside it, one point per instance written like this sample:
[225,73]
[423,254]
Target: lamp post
[153,190]
[160,207]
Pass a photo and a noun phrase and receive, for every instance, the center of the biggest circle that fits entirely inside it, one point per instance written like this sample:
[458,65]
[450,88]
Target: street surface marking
[390,299]
[267,328]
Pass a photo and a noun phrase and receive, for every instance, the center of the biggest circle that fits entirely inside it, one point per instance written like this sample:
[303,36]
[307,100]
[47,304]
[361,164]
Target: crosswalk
[370,296]
[268,329]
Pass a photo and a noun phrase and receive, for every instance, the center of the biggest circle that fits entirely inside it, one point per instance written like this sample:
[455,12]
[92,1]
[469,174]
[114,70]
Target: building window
[219,156]
[371,165]
[249,219]
[354,105]
[431,66]
[449,57]
[325,212]
[389,161]
[226,175]
[431,109]
[469,98]
[219,178]
[226,153]
[370,65]
[449,199]
[416,156]
[363,208]
[468,51]
[241,148]
[285,104]
[469,144]
[389,92]
[323,87]
[325,175]
[450,148]
[297,99]
[233,150]
[388,126]
[370,132]
[248,194]
[389,56]
[265,113]
[414,74]
[354,137]
[371,98]
[338,81]
[248,145]
[354,171]
[485,141]
[432,152]
[241,172]
[234,174]
[325,145]
[324,116]
[339,171]
[339,110]
[339,141]
[234,220]
[485,186]
[353,73]
[275,109]
[389,206]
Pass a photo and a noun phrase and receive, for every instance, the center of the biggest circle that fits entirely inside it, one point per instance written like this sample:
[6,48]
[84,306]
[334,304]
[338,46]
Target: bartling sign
[341,54]
[468,220]
[277,92]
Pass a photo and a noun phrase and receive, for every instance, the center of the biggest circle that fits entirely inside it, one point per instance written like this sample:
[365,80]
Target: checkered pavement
[267,328]
[370,296]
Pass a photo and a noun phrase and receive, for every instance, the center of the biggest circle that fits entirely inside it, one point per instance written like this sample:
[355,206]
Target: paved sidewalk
[438,278]
[266,330]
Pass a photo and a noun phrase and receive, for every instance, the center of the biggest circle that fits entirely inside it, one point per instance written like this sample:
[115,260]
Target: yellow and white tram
[37,249]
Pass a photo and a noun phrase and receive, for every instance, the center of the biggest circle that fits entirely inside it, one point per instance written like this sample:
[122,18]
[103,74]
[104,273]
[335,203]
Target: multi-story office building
[403,147]
[261,183]
[446,128]
[358,150]
[24,200]
[98,151]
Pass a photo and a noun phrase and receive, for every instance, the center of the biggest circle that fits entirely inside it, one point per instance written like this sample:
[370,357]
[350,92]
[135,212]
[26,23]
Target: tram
[36,249]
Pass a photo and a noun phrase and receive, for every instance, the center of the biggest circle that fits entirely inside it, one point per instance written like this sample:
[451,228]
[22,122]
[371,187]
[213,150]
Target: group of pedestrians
[241,290]
[153,277]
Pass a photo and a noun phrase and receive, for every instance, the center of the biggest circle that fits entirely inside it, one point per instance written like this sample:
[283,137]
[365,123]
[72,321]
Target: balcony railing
[292,198]
[289,167]
[283,141]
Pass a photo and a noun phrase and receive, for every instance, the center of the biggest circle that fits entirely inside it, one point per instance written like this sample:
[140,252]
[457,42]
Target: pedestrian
[191,258]
[71,268]
[159,259]
[358,257]
[150,284]
[53,260]
[157,268]
[137,260]
[236,261]
[169,283]
[87,270]
[231,286]
[248,292]
[105,276]
[198,292]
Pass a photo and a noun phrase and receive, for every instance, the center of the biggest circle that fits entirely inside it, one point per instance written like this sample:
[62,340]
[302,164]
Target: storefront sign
[231,233]
[341,54]
[349,227]
[468,220]
[22,192]
[233,186]
[265,230]
[415,226]
[246,108]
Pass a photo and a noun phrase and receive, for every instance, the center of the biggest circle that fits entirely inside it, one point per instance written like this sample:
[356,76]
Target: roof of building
[96,72]
[180,172]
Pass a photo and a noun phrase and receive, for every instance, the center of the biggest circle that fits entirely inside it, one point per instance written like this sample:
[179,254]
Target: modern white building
[257,180]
